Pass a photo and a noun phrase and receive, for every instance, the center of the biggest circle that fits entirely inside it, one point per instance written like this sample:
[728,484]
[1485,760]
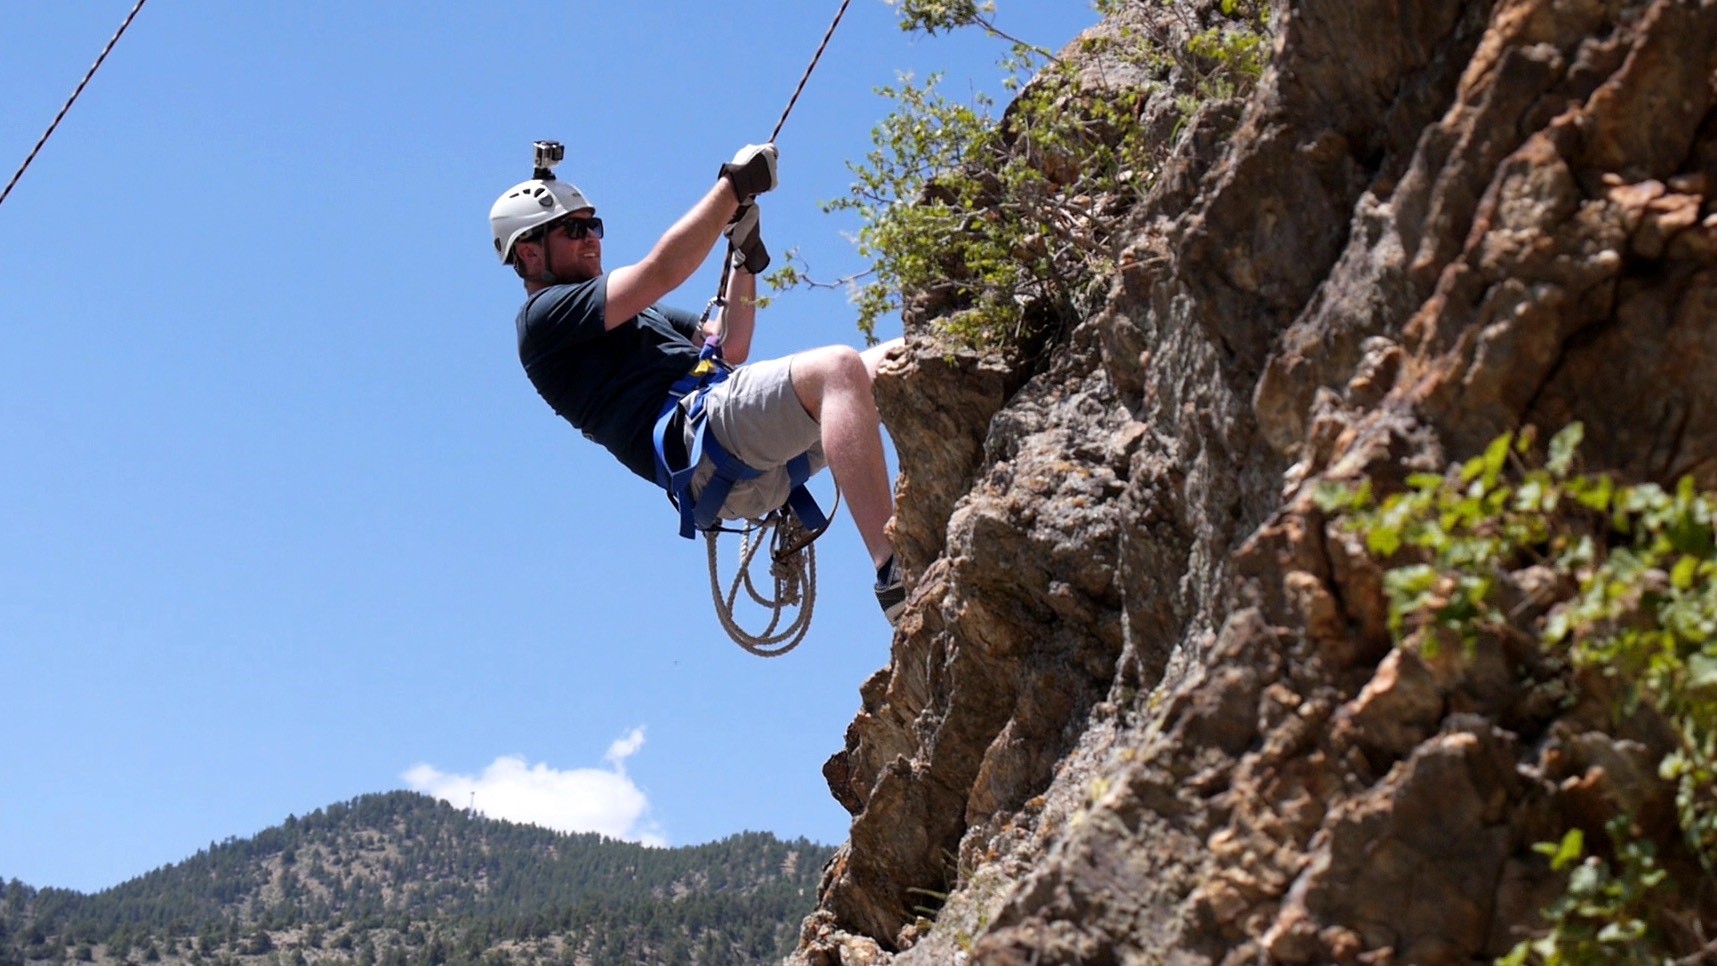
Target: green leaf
[1586,879]
[1594,494]
[1569,850]
[1562,448]
[1702,670]
[1335,496]
[1425,482]
[1495,458]
[1681,577]
[1383,541]
[1617,933]
[1557,625]
[1532,495]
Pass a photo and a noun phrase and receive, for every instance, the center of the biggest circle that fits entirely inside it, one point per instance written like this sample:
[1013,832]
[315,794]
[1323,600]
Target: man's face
[579,258]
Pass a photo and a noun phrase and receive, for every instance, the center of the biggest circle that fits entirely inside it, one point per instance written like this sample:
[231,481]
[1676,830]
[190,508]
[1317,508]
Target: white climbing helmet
[528,205]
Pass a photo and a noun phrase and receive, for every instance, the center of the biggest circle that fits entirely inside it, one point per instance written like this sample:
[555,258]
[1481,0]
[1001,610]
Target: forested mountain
[401,878]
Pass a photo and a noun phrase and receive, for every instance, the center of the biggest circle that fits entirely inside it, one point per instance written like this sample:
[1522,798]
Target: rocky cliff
[1145,706]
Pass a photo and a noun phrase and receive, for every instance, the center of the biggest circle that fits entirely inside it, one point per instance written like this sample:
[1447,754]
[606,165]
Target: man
[604,354]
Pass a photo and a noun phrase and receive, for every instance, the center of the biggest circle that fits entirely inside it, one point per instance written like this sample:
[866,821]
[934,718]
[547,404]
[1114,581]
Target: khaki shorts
[759,418]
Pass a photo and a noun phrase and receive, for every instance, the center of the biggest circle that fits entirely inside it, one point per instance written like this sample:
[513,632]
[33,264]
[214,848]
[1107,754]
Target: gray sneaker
[891,591]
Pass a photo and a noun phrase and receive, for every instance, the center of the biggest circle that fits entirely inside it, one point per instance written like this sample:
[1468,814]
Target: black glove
[746,234]
[752,171]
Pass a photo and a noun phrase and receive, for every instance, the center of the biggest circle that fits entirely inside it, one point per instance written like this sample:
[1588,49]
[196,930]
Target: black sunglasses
[576,228]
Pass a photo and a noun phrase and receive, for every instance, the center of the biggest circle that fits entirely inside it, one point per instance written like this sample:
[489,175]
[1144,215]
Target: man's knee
[835,356]
[830,367]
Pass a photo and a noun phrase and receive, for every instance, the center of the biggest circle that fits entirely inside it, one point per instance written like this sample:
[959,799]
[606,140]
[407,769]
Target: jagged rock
[1144,706]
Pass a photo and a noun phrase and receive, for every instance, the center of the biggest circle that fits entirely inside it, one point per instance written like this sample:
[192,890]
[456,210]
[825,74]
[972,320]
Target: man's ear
[528,258]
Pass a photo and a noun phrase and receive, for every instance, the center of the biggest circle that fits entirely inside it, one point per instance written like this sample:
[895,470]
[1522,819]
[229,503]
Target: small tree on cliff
[1005,228]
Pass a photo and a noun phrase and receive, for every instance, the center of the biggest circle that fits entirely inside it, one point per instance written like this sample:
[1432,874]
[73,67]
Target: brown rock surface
[1144,707]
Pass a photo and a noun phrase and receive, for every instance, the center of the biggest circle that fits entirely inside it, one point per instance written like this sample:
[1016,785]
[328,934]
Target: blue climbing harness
[703,513]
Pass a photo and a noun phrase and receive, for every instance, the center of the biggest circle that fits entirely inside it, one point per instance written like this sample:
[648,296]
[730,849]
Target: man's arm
[633,288]
[740,314]
[747,259]
[676,255]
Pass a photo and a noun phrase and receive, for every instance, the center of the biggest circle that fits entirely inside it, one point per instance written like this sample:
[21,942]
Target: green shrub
[1006,227]
[1604,915]
[1642,612]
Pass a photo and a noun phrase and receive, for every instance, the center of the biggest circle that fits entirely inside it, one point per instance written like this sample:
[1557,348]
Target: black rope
[68,104]
[808,69]
[720,300]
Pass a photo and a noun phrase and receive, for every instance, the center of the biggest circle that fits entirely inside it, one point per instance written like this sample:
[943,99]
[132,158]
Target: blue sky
[281,520]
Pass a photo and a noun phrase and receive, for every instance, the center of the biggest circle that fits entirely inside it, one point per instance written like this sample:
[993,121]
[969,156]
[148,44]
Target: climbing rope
[68,104]
[792,558]
[727,265]
[808,69]
[793,570]
[795,585]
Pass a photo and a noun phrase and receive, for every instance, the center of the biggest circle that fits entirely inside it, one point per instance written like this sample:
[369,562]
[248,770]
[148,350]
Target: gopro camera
[548,154]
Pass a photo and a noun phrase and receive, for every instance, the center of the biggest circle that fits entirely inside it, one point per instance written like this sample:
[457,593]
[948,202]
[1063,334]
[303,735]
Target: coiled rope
[795,586]
[69,101]
[792,557]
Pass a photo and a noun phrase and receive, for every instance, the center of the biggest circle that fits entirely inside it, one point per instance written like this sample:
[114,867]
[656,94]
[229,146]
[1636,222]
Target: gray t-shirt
[609,384]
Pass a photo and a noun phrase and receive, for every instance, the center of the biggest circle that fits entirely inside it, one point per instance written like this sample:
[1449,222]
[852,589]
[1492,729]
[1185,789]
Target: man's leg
[874,355]
[833,384]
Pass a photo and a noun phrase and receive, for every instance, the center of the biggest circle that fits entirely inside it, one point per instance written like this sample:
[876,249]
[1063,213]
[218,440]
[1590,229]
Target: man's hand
[752,171]
[746,234]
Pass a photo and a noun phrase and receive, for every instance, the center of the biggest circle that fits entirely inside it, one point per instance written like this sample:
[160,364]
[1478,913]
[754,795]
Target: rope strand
[811,67]
[68,104]
[727,265]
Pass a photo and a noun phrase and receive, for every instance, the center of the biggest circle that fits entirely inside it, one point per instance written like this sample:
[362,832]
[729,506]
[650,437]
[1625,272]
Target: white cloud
[624,748]
[579,800]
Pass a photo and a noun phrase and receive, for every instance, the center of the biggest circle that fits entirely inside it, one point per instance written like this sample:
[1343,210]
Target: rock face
[1144,706]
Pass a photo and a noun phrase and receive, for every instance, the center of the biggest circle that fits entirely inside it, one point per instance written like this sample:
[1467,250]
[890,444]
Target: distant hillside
[401,878]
